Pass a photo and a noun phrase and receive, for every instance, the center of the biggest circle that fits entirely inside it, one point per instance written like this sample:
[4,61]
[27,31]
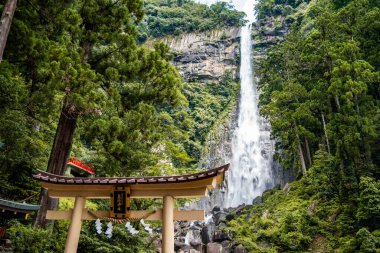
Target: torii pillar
[75,226]
[168,225]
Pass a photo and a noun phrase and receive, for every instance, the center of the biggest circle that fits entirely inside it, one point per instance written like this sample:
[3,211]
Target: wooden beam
[179,215]
[139,193]
[186,215]
[97,187]
[73,193]
[220,178]
[213,183]
[207,182]
[176,193]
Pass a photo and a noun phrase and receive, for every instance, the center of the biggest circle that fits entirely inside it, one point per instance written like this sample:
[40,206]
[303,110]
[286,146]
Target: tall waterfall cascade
[252,149]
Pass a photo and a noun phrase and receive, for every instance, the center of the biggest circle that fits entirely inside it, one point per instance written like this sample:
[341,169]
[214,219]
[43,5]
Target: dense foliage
[122,104]
[62,63]
[207,105]
[320,92]
[304,218]
[29,239]
[126,105]
[275,8]
[174,17]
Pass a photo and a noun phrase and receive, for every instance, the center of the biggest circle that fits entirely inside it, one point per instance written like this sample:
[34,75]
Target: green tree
[89,69]
[369,202]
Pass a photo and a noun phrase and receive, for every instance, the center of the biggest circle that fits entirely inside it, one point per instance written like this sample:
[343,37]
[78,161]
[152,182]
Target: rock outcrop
[206,56]
[267,33]
[211,237]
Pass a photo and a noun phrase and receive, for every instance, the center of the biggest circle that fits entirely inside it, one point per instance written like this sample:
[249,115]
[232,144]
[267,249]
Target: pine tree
[83,57]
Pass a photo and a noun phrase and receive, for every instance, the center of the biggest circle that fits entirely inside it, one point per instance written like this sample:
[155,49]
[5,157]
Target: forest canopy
[175,17]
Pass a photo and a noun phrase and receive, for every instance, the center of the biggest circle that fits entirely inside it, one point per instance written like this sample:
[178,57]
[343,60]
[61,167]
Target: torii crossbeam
[167,187]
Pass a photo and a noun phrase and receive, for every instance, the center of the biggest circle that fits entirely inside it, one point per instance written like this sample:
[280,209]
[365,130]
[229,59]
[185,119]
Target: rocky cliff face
[267,33]
[217,152]
[205,57]
[218,149]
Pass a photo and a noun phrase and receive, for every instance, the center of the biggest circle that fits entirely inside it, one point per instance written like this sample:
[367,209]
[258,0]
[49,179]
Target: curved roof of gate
[56,179]
[16,206]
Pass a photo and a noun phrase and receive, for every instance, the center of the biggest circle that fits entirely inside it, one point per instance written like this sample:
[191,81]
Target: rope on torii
[127,221]
[122,221]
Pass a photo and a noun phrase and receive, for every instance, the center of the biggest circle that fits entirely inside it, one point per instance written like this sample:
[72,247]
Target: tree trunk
[300,152]
[327,138]
[58,157]
[5,24]
[337,102]
[308,151]
[302,158]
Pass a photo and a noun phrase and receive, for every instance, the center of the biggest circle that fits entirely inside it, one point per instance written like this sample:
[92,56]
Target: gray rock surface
[214,248]
[240,249]
[205,56]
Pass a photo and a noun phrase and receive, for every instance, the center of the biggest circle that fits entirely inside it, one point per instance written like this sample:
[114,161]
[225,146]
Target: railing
[79,164]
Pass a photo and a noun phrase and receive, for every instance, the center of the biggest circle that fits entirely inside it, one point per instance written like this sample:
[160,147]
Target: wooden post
[75,226]
[168,225]
[5,24]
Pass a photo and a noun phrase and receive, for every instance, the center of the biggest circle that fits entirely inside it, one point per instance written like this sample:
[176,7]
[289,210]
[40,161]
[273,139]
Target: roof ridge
[53,178]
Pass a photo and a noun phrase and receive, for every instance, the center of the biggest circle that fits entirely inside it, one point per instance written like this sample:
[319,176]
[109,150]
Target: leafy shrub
[29,239]
[365,241]
[369,202]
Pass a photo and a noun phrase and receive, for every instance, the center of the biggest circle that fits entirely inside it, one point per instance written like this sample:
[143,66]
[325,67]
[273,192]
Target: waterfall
[251,165]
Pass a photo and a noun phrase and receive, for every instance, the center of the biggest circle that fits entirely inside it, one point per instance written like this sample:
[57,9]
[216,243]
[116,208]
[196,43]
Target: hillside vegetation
[175,17]
[320,92]
[128,110]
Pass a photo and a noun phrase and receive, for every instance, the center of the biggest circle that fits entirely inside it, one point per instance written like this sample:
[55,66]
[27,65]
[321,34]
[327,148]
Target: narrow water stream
[251,165]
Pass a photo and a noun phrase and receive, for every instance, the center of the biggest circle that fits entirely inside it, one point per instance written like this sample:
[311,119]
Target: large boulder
[179,245]
[220,236]
[227,246]
[219,217]
[205,235]
[214,248]
[186,249]
[240,249]
[215,209]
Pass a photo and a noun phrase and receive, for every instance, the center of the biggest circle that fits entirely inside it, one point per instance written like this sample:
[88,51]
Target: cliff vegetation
[320,91]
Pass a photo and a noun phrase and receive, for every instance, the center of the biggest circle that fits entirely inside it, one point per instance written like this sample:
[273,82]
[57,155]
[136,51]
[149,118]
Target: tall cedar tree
[81,55]
[320,92]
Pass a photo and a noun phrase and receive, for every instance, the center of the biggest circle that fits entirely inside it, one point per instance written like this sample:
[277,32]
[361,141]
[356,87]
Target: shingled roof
[56,179]
[16,206]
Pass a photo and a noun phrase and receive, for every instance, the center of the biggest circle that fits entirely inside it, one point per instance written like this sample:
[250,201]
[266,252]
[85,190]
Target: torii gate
[120,190]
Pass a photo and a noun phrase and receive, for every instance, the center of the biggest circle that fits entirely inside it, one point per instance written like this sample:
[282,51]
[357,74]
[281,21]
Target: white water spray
[251,166]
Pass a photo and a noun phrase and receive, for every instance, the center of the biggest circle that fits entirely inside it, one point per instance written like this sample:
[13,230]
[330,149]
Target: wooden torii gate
[120,190]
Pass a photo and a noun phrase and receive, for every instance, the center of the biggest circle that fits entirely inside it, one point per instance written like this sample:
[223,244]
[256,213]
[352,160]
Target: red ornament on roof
[80,165]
